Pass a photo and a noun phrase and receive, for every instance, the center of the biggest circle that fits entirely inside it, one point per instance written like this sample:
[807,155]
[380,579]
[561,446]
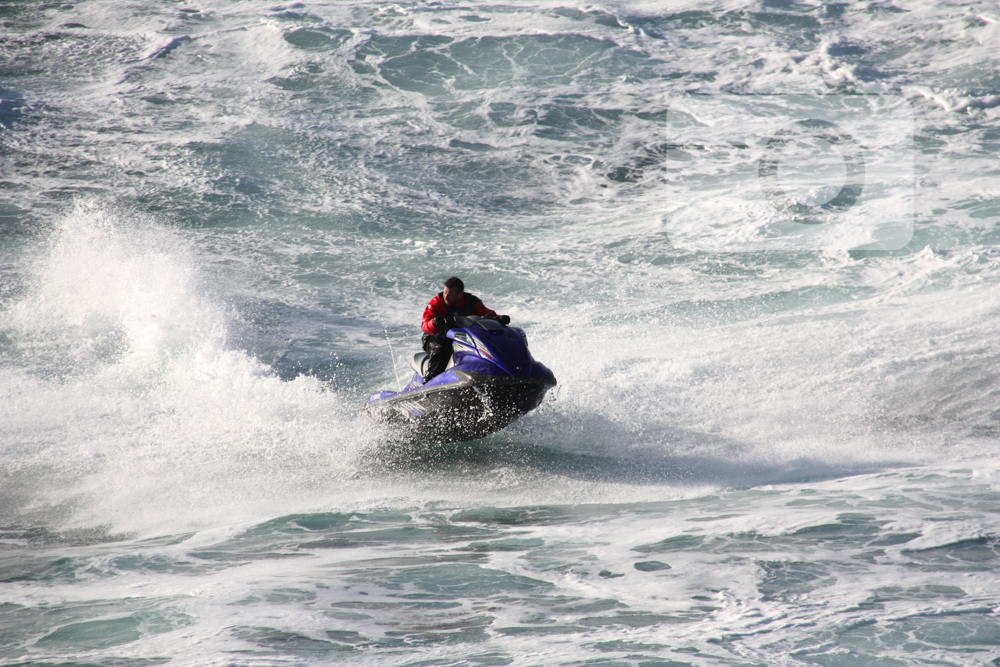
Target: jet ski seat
[419,362]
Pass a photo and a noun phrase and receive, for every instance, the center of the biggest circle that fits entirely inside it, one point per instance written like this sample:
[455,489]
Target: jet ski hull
[469,407]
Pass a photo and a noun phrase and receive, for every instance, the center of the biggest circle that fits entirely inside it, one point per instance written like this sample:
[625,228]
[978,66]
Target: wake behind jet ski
[490,380]
[474,377]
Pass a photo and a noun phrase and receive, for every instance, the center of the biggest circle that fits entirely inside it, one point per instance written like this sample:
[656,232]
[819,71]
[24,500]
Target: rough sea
[756,242]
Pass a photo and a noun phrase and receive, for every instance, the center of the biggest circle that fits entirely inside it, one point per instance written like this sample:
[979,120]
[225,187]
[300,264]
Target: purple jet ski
[490,381]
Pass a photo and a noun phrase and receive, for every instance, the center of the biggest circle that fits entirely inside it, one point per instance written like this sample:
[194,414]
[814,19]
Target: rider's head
[454,288]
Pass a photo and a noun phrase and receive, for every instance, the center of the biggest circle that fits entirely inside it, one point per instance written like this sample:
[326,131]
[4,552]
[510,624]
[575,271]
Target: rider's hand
[443,323]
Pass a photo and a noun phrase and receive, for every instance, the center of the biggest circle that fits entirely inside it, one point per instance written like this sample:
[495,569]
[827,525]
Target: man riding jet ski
[474,377]
[439,317]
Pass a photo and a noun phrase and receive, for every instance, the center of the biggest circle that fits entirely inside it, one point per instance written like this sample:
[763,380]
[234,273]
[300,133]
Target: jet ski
[490,381]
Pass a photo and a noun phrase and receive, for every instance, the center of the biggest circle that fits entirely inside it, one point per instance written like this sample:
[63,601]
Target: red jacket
[470,304]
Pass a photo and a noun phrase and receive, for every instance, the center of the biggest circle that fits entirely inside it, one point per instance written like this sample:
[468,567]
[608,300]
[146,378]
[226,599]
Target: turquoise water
[756,245]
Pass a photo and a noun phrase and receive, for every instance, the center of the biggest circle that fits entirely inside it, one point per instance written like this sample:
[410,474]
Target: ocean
[756,243]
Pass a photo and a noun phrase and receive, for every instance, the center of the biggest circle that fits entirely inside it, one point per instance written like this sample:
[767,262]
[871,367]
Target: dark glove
[444,322]
[503,319]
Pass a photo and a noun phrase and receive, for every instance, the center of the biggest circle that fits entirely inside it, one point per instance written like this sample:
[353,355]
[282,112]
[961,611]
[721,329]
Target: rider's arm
[480,309]
[436,307]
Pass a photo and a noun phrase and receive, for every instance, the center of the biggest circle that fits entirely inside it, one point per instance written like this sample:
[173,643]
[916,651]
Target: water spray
[395,371]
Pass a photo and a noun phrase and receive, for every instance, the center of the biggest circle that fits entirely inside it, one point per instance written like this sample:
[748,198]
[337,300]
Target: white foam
[145,409]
